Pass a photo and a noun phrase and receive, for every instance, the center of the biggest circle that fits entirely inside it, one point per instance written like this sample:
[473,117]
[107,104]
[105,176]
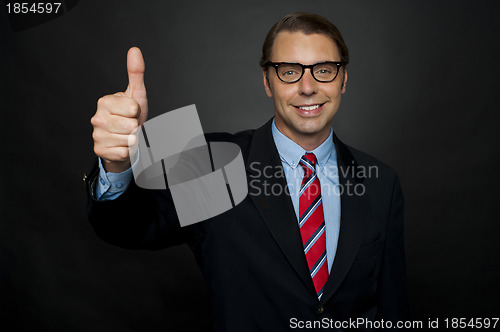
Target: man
[328,252]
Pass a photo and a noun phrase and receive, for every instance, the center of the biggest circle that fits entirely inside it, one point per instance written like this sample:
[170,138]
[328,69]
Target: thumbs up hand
[118,115]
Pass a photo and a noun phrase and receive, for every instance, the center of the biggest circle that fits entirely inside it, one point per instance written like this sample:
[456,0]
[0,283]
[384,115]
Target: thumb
[135,70]
[136,88]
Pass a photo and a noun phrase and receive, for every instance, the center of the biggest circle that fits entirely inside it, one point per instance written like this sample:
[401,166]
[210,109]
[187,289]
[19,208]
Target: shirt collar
[290,152]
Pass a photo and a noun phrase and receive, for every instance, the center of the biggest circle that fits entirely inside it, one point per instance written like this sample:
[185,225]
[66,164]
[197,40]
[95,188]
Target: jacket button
[320,310]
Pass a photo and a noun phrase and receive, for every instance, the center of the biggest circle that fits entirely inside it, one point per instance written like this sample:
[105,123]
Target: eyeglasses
[291,72]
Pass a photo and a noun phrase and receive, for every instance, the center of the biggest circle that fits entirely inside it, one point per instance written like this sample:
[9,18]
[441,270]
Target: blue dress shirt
[112,185]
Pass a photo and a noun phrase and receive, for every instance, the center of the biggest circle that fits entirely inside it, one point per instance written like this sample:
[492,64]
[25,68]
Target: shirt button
[119,185]
[102,181]
[320,310]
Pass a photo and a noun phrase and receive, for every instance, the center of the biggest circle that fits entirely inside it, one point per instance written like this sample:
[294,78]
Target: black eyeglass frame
[304,67]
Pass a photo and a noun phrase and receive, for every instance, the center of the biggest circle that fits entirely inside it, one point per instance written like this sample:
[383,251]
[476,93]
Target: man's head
[304,109]
[306,23]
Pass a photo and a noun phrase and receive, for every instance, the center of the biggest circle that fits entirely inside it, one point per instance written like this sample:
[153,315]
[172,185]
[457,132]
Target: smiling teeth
[309,108]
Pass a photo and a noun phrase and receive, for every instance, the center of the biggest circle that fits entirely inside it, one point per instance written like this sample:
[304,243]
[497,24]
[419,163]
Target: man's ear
[344,82]
[267,85]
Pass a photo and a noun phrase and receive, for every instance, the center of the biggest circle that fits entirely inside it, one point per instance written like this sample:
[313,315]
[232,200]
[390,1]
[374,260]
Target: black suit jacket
[251,256]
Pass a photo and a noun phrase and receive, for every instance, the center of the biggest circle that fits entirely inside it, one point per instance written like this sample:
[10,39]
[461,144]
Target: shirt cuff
[111,185]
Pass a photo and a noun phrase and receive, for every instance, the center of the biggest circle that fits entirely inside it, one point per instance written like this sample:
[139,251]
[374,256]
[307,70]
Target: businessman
[324,250]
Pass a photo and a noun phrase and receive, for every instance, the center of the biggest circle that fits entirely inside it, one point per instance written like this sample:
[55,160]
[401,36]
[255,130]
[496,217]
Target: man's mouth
[309,109]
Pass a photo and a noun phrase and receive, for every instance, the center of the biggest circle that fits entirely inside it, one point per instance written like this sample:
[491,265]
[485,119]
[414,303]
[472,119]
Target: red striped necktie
[312,223]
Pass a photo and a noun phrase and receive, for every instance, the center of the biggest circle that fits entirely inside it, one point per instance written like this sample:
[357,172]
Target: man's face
[304,109]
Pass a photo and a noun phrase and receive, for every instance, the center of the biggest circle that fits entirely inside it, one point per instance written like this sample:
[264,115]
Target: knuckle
[131,140]
[131,124]
[97,151]
[94,120]
[123,153]
[97,121]
[97,135]
[133,108]
[101,101]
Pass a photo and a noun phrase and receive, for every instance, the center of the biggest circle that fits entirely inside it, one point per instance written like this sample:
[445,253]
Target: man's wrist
[115,166]
[110,185]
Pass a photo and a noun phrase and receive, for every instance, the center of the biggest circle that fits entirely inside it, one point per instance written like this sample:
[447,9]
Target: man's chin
[311,125]
[312,129]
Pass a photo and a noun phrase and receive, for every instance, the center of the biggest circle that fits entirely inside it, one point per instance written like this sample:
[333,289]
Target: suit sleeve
[392,295]
[137,219]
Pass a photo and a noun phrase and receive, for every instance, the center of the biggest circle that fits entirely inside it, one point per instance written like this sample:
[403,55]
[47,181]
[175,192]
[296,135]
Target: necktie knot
[308,163]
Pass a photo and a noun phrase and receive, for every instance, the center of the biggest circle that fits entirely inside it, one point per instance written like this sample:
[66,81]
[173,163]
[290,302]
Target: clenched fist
[118,115]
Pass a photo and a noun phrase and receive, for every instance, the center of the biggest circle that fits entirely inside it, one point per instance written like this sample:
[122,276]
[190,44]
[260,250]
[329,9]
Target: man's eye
[324,71]
[289,73]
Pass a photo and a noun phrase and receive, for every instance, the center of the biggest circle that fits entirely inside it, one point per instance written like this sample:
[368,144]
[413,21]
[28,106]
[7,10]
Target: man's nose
[307,84]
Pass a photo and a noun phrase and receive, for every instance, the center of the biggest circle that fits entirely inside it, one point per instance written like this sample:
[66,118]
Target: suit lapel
[269,194]
[354,212]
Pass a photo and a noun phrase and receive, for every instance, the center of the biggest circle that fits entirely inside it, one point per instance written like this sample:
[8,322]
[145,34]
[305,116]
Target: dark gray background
[421,96]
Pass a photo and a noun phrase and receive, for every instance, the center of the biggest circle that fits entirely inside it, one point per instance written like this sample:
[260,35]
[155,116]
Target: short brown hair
[307,23]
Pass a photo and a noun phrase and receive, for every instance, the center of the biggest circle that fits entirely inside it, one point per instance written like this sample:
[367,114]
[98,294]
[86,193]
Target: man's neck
[307,142]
